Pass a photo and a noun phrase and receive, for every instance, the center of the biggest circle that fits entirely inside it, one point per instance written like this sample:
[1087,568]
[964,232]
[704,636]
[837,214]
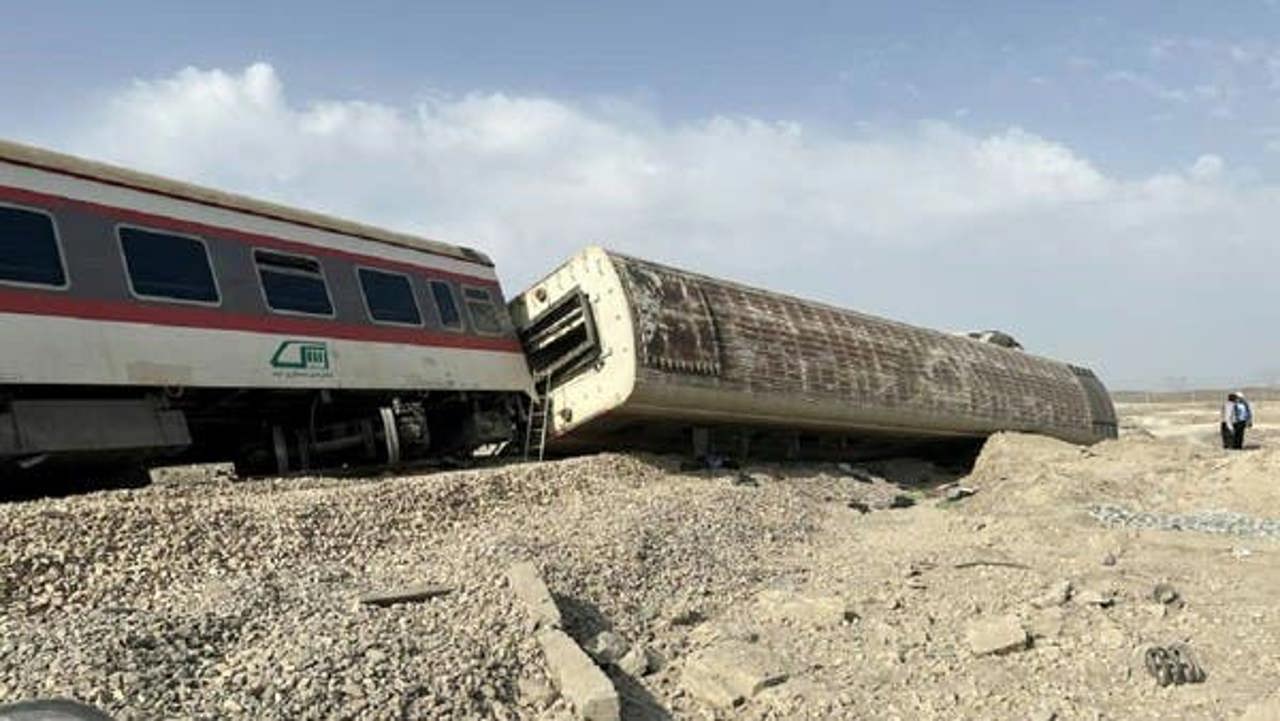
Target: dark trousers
[1233,437]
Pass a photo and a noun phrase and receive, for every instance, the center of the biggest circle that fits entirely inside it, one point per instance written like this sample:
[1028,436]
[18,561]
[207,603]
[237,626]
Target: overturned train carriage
[634,354]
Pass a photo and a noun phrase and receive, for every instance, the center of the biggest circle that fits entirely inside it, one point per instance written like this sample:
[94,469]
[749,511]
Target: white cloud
[933,224]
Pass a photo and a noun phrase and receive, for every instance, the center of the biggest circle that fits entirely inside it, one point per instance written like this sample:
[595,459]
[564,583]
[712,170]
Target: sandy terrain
[204,598]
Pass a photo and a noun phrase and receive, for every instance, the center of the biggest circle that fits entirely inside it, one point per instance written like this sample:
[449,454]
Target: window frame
[57,244]
[262,287]
[492,303]
[461,327]
[364,297]
[128,276]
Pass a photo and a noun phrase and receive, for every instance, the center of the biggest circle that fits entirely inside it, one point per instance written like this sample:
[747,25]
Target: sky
[1100,179]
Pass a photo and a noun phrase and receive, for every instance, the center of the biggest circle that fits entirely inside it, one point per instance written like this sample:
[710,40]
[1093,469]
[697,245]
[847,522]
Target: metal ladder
[535,430]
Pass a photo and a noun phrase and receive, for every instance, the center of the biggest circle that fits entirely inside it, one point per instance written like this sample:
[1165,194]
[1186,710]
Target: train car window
[484,316]
[293,283]
[29,248]
[166,266]
[389,297]
[446,304]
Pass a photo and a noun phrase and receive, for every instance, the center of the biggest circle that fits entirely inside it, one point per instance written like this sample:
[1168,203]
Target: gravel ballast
[218,600]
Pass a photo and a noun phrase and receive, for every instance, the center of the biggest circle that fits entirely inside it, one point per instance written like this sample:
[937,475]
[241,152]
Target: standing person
[1236,417]
[1228,426]
[1244,419]
[1248,409]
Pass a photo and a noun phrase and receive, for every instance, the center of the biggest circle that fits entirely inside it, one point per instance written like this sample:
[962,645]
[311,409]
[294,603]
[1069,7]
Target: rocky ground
[1030,590]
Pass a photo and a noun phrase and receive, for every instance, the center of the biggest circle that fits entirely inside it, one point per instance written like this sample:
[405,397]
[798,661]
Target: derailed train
[143,319]
[628,352]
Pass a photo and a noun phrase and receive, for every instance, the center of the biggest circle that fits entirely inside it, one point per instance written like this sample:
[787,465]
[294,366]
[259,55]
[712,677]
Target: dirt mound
[1024,474]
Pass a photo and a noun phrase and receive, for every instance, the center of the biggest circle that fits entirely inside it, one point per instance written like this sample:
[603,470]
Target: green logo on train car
[301,355]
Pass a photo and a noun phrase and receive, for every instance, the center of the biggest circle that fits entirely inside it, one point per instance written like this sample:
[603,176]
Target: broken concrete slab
[578,678]
[997,635]
[792,607]
[728,673]
[408,594]
[528,586]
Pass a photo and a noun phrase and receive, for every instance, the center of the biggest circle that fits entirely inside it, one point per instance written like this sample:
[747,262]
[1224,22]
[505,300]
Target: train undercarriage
[114,435]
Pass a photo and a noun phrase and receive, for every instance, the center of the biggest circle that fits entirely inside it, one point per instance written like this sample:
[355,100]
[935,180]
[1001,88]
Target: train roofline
[49,160]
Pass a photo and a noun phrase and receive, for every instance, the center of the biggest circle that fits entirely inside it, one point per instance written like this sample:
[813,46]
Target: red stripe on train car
[22,196]
[64,306]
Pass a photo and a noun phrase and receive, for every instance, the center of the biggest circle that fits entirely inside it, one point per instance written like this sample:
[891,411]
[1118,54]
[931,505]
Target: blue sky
[1096,177]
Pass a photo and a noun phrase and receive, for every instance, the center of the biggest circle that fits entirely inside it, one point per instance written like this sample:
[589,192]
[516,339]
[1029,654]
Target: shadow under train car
[632,354]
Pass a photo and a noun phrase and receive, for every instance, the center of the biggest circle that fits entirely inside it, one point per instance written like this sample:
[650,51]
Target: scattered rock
[1165,594]
[408,594]
[1109,559]
[713,631]
[957,492]
[637,662]
[535,692]
[726,674]
[1046,623]
[999,635]
[901,500]
[1056,595]
[528,586]
[1096,597]
[859,506]
[607,647]
[791,607]
[579,680]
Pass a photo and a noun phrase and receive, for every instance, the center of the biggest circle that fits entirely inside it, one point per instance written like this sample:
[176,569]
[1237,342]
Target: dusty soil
[200,597]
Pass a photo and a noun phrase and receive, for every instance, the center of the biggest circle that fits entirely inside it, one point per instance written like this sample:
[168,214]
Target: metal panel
[712,348]
[674,327]
[90,425]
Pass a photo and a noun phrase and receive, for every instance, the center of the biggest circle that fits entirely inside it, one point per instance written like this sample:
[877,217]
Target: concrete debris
[528,586]
[408,594]
[995,636]
[790,607]
[577,677]
[728,673]
[607,647]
